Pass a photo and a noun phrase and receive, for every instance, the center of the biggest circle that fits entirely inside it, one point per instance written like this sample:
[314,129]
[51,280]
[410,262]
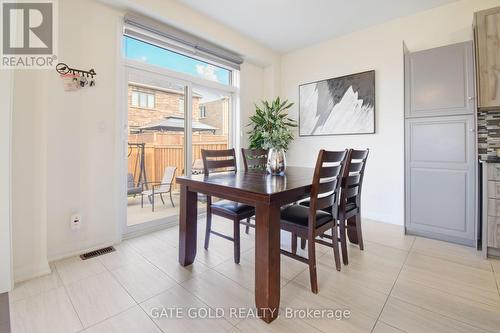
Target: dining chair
[254,159]
[349,213]
[224,161]
[310,222]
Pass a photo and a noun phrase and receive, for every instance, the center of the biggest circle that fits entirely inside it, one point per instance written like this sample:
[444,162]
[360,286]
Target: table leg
[188,220]
[267,261]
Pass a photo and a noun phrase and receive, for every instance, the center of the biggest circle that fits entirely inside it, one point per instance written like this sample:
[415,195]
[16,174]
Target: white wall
[378,48]
[64,143]
[5,174]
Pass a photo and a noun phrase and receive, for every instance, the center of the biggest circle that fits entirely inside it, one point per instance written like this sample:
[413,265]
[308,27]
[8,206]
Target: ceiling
[285,25]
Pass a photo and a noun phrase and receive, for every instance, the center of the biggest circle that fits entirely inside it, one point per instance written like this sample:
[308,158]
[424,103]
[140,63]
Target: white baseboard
[383,217]
[97,246]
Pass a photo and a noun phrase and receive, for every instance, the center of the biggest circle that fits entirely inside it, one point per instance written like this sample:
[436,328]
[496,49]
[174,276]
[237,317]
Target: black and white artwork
[342,105]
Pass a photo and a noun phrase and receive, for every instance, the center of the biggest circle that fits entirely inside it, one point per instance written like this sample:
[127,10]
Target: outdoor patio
[137,215]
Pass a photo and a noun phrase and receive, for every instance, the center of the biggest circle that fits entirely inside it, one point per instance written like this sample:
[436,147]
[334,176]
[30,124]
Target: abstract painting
[342,105]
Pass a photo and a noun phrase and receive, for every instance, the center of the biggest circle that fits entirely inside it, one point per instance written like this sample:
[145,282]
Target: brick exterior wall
[166,104]
[217,115]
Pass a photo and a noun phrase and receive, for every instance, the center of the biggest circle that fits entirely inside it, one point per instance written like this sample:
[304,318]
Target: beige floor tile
[74,269]
[296,298]
[463,255]
[352,276]
[148,243]
[169,235]
[142,280]
[279,325]
[218,291]
[133,320]
[35,286]
[382,327]
[477,314]
[49,311]
[242,273]
[124,255]
[495,264]
[386,234]
[411,318]
[377,254]
[467,282]
[371,274]
[339,286]
[168,262]
[98,297]
[162,307]
[289,268]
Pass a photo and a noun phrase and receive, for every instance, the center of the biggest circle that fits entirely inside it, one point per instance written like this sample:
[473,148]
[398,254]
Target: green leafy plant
[271,126]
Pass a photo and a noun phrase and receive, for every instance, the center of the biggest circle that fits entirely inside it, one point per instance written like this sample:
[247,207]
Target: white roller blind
[155,32]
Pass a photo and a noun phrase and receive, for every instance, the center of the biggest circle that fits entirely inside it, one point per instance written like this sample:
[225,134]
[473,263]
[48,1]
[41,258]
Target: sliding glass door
[169,122]
[176,106]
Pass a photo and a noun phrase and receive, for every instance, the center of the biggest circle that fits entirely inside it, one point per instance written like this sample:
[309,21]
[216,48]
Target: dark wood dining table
[267,193]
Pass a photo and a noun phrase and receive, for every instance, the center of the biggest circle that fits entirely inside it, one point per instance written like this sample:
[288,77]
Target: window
[202,111]
[143,100]
[154,55]
[181,105]
[151,101]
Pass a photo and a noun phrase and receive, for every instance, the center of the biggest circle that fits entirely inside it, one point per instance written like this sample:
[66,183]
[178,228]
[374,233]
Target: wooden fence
[158,157]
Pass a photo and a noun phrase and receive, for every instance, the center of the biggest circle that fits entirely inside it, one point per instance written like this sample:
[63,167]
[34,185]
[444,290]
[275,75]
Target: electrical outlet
[75,222]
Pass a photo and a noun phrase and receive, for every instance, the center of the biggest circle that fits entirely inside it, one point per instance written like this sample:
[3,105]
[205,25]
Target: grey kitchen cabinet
[440,81]
[487,41]
[440,144]
[440,178]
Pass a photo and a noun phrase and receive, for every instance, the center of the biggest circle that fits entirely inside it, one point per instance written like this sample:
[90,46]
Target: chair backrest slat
[328,172]
[218,160]
[352,180]
[326,181]
[355,166]
[327,186]
[254,159]
[350,192]
[326,202]
[353,177]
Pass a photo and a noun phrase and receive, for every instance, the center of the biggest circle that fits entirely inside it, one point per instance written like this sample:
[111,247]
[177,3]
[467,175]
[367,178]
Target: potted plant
[272,130]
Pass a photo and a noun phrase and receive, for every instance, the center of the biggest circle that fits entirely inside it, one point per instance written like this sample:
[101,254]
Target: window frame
[190,56]
[202,114]
[142,96]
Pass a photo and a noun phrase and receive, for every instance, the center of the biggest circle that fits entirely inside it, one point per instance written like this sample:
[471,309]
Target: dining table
[267,193]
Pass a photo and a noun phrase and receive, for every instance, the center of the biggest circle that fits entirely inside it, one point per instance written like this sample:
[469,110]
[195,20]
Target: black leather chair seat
[232,207]
[298,214]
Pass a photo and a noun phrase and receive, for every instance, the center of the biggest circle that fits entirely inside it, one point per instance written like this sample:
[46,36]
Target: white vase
[276,161]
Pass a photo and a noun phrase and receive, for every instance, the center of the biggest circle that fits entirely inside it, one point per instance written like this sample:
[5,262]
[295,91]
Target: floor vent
[97,253]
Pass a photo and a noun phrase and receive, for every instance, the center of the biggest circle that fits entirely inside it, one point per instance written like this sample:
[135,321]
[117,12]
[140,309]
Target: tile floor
[398,284]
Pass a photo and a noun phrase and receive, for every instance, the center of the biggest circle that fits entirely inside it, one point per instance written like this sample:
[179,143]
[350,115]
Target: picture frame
[343,105]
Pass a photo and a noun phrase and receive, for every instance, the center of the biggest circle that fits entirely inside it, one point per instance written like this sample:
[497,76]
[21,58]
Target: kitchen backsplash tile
[488,133]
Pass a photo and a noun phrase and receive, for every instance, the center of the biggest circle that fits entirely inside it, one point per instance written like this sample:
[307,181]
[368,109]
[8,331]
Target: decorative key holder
[74,79]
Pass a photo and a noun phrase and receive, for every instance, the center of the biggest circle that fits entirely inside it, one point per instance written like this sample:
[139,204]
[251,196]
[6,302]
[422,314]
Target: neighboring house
[147,105]
[150,105]
[216,113]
